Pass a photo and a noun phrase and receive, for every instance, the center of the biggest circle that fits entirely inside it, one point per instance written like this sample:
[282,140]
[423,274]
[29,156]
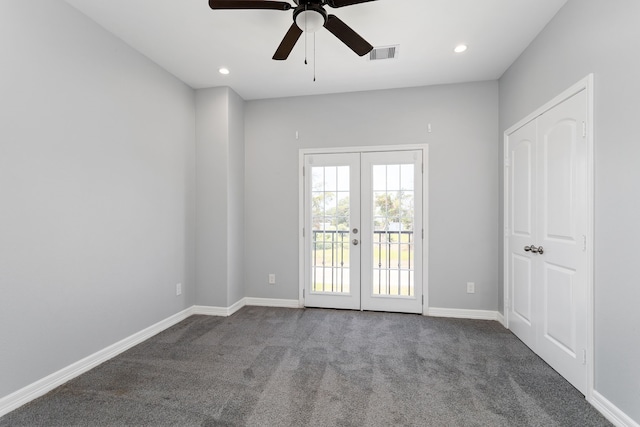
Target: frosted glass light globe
[314,21]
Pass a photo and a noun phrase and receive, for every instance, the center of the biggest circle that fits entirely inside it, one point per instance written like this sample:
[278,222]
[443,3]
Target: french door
[363,239]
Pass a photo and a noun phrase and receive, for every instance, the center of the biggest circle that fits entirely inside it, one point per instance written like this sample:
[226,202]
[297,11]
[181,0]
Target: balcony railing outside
[393,259]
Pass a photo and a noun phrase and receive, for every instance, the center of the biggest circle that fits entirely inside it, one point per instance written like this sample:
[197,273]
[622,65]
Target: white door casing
[549,204]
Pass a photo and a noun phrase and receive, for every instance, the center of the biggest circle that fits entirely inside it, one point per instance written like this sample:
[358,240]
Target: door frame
[586,84]
[365,149]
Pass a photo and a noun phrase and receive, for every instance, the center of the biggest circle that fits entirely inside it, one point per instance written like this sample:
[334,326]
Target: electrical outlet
[272,279]
[471,288]
[179,289]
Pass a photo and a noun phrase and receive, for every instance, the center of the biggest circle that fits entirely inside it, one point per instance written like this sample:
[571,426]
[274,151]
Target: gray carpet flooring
[312,367]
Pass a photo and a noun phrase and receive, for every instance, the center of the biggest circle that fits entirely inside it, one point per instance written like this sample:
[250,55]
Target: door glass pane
[393,226]
[330,200]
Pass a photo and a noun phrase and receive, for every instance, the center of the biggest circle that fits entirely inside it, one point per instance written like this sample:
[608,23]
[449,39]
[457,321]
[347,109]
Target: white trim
[426,168]
[50,382]
[204,310]
[458,313]
[363,149]
[591,191]
[500,318]
[248,301]
[218,311]
[271,302]
[505,235]
[301,235]
[586,84]
[611,411]
[237,306]
[366,149]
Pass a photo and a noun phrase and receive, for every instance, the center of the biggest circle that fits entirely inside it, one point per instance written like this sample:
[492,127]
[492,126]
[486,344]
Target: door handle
[534,250]
[355,242]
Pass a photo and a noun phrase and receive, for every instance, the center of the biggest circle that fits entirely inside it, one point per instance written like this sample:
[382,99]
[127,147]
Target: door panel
[558,157]
[559,321]
[392,231]
[563,224]
[522,158]
[521,279]
[332,187]
[521,176]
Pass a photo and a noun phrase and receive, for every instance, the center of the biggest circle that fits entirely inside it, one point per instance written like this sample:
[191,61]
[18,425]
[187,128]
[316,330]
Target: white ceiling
[192,42]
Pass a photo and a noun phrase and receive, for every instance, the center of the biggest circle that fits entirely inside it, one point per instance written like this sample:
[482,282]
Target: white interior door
[364,244]
[547,234]
[521,220]
[562,232]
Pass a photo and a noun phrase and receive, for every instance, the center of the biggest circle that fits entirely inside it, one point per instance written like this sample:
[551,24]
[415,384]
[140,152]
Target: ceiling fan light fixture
[460,48]
[310,20]
[223,71]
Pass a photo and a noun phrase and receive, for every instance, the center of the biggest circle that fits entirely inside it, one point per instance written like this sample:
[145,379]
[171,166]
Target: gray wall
[96,191]
[235,231]
[463,174]
[601,37]
[220,197]
[212,172]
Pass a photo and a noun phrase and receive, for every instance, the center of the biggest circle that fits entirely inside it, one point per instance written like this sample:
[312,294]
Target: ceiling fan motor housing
[310,16]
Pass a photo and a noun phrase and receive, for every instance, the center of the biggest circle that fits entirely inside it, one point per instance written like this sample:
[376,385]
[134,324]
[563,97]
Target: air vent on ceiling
[384,52]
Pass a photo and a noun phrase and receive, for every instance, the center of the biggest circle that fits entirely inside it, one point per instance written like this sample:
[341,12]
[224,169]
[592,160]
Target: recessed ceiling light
[224,71]
[460,48]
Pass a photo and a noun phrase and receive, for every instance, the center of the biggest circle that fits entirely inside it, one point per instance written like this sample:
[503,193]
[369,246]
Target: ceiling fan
[309,16]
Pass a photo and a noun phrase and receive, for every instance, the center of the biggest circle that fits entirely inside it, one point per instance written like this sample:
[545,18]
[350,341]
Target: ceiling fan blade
[288,42]
[342,3]
[347,35]
[249,4]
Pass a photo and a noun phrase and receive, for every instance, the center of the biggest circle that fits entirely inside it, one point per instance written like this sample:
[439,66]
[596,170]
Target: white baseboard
[462,313]
[50,382]
[501,319]
[237,306]
[218,311]
[228,311]
[271,302]
[611,411]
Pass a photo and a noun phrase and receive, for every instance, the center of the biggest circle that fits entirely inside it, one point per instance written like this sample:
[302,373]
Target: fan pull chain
[314,57]
[305,35]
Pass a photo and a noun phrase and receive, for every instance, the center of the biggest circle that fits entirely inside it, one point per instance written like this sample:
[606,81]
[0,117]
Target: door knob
[534,250]
[355,242]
